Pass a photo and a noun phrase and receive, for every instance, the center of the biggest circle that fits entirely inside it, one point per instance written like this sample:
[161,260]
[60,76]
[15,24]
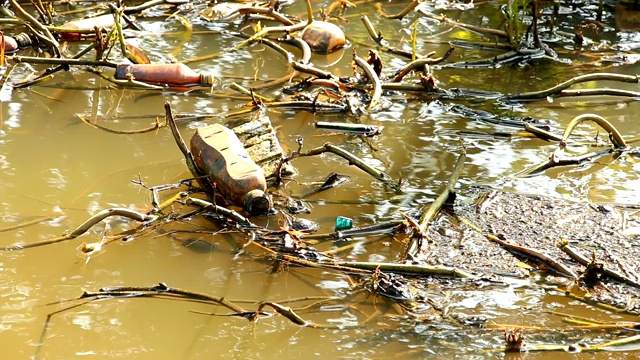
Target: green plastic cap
[343,223]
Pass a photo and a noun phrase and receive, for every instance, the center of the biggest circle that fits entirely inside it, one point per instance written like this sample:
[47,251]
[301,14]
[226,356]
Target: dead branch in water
[543,94]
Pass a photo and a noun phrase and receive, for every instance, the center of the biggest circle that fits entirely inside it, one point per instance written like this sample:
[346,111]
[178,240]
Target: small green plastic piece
[343,223]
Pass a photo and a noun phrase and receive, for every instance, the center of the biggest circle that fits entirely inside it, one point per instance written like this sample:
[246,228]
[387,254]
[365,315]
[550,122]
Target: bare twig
[203,179]
[543,94]
[583,260]
[417,239]
[88,224]
[42,32]
[420,64]
[353,160]
[538,256]
[373,77]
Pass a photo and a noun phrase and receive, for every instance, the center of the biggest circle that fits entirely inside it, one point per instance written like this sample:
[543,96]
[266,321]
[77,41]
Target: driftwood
[262,144]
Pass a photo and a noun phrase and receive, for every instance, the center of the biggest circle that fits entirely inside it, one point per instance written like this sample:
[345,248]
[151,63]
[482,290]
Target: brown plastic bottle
[220,154]
[10,45]
[102,21]
[17,42]
[163,74]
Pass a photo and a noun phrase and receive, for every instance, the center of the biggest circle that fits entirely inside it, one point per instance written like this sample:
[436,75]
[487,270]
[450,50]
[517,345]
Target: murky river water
[56,166]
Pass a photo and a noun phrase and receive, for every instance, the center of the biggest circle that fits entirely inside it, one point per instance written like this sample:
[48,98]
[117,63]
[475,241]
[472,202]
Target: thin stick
[417,238]
[409,269]
[414,4]
[381,228]
[353,160]
[373,77]
[48,72]
[159,290]
[88,224]
[61,61]
[379,39]
[292,316]
[203,179]
[543,94]
[478,29]
[27,223]
[420,64]
[541,133]
[599,92]
[545,259]
[231,214]
[613,343]
[593,327]
[584,261]
[47,38]
[310,69]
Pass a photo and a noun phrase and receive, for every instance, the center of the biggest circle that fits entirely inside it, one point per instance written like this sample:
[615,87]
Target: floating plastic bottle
[163,74]
[323,37]
[102,21]
[220,154]
[15,43]
[10,44]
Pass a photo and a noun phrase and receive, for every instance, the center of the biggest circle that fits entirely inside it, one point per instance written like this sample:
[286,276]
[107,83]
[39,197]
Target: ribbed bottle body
[220,154]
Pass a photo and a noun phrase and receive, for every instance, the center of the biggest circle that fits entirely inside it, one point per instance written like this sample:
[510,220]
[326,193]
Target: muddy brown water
[56,166]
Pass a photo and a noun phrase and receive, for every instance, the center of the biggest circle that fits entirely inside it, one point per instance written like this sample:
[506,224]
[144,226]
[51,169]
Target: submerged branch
[157,125]
[353,160]
[542,94]
[59,61]
[88,224]
[27,223]
[557,158]
[159,290]
[565,161]
[481,30]
[408,269]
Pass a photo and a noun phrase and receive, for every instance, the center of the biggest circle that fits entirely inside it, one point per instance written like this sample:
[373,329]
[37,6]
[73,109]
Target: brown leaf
[375,62]
[136,55]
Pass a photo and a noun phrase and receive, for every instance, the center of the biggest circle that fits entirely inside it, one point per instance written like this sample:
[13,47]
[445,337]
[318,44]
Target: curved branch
[576,80]
[419,64]
[373,77]
[617,139]
[88,224]
[353,160]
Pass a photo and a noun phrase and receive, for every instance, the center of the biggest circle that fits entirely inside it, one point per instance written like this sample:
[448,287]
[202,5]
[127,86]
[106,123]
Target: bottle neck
[24,40]
[257,202]
[207,79]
